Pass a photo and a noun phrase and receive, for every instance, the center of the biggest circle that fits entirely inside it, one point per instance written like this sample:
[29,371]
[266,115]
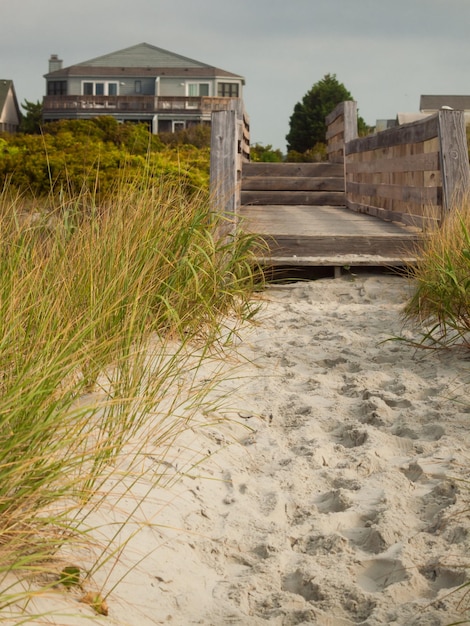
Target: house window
[138,86]
[198,89]
[99,89]
[57,88]
[178,126]
[228,90]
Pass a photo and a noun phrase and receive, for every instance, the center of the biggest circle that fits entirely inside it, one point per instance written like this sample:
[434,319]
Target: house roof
[142,60]
[5,87]
[433,103]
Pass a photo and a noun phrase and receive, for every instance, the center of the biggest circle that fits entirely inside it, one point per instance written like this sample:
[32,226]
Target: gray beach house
[143,83]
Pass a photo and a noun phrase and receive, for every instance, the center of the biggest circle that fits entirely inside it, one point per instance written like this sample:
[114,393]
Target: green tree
[31,121]
[307,123]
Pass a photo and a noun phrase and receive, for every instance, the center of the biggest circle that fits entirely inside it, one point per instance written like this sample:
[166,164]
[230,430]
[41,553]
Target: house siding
[172,87]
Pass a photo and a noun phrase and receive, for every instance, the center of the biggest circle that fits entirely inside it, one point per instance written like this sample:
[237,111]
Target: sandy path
[335,496]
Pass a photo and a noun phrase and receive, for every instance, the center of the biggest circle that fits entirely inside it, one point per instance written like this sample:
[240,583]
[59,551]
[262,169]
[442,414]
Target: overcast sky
[386,52]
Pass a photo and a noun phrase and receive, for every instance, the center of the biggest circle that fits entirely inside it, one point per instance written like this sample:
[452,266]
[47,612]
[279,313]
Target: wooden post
[224,184]
[230,146]
[350,133]
[350,120]
[455,169]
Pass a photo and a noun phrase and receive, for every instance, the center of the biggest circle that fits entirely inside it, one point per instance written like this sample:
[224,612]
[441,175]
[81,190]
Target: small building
[431,104]
[10,113]
[143,83]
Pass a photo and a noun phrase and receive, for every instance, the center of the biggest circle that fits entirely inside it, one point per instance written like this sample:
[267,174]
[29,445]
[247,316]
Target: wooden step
[327,235]
[321,246]
[297,198]
[293,183]
[310,170]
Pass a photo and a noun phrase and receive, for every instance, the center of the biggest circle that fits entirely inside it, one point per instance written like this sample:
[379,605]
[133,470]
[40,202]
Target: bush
[314,155]
[442,299]
[265,154]
[198,136]
[75,154]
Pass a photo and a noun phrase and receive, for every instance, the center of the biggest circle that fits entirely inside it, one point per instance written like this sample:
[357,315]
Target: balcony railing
[135,104]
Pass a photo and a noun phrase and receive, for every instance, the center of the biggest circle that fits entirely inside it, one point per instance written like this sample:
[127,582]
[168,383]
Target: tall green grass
[440,305]
[106,314]
[441,302]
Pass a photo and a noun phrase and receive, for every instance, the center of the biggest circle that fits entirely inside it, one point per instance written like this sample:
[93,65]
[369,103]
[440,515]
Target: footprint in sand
[378,574]
[436,502]
[333,502]
[441,577]
[316,544]
[300,583]
[368,539]
[351,437]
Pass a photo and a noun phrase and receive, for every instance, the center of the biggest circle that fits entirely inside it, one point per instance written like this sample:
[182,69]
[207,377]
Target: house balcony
[88,106]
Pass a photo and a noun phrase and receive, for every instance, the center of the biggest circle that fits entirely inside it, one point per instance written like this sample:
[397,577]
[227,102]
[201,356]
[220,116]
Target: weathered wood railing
[230,146]
[412,173]
[156,104]
[341,128]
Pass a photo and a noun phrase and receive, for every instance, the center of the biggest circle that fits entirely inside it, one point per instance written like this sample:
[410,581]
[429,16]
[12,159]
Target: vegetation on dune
[113,282]
[441,302]
[70,154]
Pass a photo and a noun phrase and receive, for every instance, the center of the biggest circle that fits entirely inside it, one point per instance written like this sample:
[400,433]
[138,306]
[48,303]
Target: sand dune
[334,494]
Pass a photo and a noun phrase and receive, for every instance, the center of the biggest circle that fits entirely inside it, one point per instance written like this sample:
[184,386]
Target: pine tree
[307,123]
[31,122]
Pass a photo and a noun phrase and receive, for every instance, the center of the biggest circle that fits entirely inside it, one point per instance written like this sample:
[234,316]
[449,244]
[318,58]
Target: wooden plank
[291,169]
[418,221]
[293,197]
[336,260]
[336,146]
[338,111]
[292,183]
[342,245]
[315,220]
[407,163]
[346,110]
[405,193]
[336,128]
[454,163]
[414,132]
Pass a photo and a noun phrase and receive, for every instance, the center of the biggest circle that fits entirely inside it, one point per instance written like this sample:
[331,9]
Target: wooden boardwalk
[370,204]
[299,211]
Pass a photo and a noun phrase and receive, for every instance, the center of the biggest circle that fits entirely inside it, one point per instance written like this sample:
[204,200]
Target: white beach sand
[334,494]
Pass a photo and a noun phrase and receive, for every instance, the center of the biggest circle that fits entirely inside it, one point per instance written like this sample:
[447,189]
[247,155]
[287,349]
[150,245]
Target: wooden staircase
[306,184]
[299,209]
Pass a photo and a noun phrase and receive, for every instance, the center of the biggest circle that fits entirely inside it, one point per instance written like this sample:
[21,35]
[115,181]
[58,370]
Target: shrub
[72,154]
[442,298]
[266,154]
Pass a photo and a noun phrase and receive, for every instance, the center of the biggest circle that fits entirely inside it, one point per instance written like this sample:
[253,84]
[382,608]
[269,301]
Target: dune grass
[440,305]
[106,314]
[441,302]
